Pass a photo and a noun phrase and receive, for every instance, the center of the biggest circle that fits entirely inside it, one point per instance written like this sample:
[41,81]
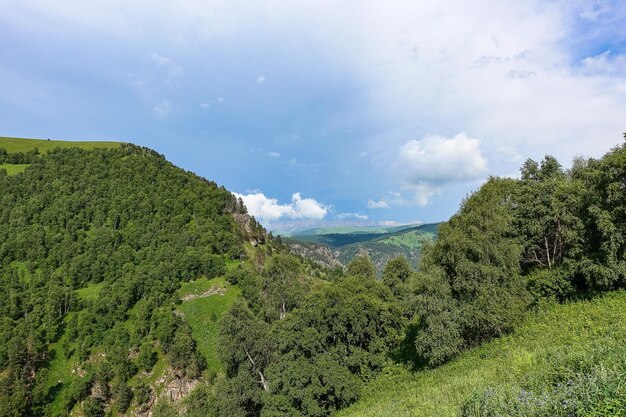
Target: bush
[552,284]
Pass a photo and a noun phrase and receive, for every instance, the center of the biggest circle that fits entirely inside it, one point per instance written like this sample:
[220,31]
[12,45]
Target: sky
[323,112]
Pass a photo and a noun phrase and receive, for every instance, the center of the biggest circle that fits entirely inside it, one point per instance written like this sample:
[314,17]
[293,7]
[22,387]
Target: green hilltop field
[46,145]
[14,145]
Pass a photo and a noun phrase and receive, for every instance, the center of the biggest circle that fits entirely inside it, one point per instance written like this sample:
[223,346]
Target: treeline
[553,234]
[18,157]
[127,224]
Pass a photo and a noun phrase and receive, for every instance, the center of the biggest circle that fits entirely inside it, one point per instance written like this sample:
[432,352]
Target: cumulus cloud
[428,164]
[357,216]
[266,209]
[605,63]
[273,154]
[439,160]
[378,204]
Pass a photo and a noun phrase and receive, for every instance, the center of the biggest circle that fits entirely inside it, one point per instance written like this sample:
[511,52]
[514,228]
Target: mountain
[380,243]
[101,246]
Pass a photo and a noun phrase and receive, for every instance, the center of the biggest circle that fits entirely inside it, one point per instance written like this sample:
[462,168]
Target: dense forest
[301,340]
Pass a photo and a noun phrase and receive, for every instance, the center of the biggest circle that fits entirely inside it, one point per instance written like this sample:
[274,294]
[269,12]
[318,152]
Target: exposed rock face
[214,290]
[172,389]
[250,229]
[178,389]
[320,254]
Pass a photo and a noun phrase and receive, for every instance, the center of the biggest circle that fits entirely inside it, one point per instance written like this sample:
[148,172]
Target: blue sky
[323,112]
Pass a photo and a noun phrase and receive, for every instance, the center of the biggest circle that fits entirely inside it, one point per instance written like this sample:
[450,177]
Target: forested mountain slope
[93,245]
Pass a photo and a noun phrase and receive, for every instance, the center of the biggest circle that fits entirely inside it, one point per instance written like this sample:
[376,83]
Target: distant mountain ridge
[380,244]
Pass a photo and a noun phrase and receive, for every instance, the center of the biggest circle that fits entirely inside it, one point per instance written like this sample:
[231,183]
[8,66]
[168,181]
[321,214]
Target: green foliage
[578,345]
[361,266]
[164,409]
[550,284]
[329,346]
[396,275]
[105,235]
[474,291]
[438,334]
[283,286]
[200,402]
[245,349]
[147,357]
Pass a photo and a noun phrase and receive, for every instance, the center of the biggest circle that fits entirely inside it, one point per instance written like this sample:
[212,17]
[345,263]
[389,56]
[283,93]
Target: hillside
[13,145]
[572,344]
[96,242]
[23,150]
[380,244]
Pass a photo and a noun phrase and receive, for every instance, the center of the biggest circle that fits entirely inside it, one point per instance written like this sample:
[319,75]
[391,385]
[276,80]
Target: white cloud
[439,160]
[435,161]
[162,108]
[267,209]
[358,216]
[172,68]
[273,154]
[380,204]
[261,80]
[606,63]
[507,72]
[423,192]
[205,105]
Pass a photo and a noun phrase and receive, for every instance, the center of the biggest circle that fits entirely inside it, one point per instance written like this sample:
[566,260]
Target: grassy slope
[13,169]
[13,145]
[203,314]
[577,327]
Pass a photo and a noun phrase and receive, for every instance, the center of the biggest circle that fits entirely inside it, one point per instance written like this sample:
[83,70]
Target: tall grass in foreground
[566,360]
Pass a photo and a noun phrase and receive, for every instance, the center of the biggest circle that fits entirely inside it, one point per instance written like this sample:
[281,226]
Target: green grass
[59,373]
[507,363]
[91,292]
[411,240]
[13,145]
[13,169]
[203,314]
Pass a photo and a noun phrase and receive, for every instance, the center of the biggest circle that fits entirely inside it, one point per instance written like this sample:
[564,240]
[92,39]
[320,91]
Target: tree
[474,268]
[546,210]
[244,343]
[396,274]
[283,285]
[361,266]
[328,347]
